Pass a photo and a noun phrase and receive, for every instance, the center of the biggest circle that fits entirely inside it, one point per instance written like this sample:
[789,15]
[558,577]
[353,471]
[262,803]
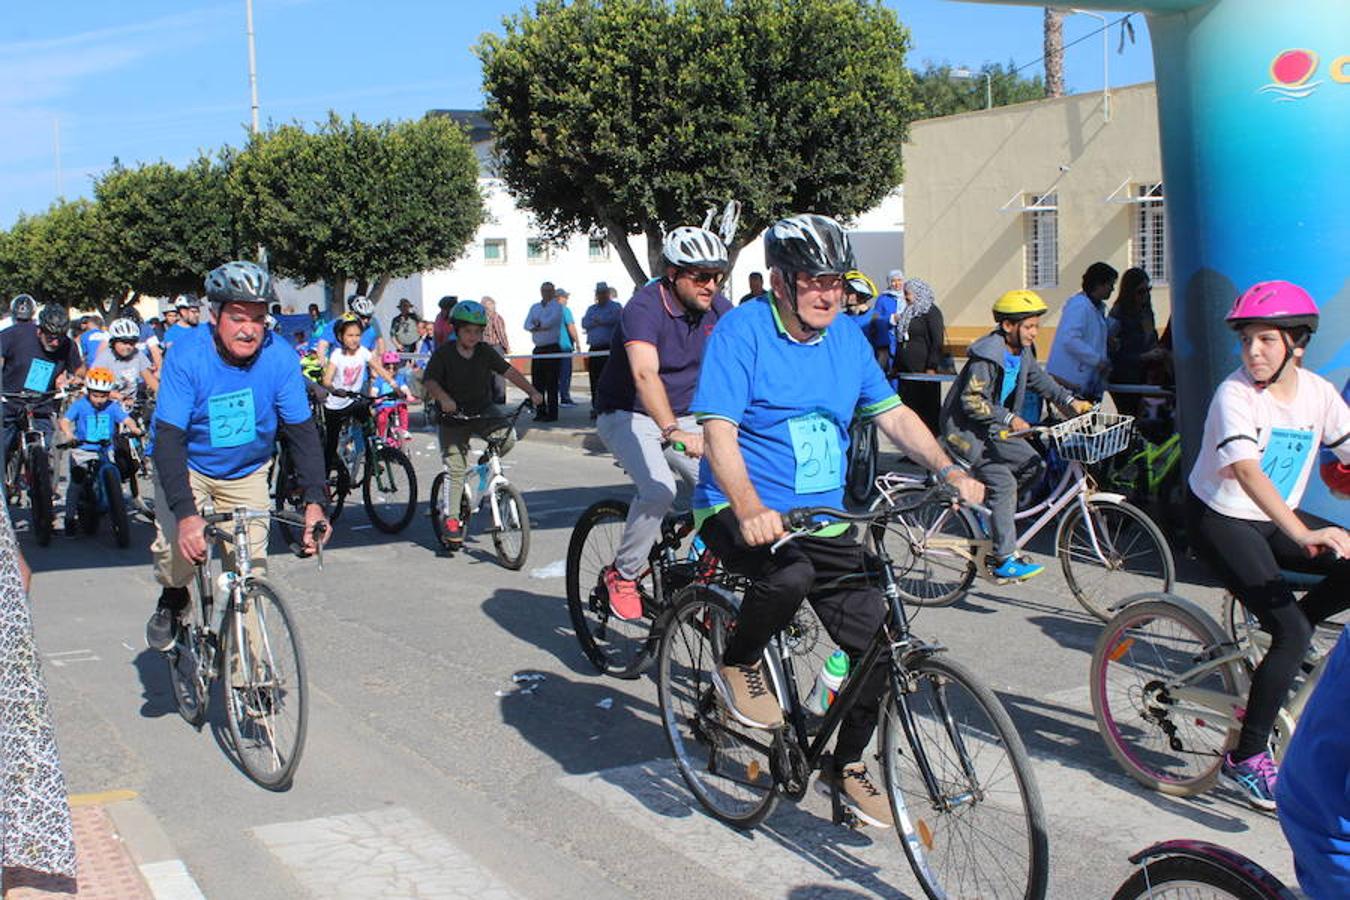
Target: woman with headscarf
[35,830]
[919,333]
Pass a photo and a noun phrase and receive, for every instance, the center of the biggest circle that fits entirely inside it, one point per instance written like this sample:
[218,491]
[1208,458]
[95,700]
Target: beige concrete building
[1029,196]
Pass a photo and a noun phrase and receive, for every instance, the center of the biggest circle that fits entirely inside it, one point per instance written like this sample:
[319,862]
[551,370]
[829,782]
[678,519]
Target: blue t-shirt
[384,387]
[564,336]
[90,341]
[92,424]
[1012,365]
[369,336]
[793,402]
[230,414]
[1312,794]
[178,332]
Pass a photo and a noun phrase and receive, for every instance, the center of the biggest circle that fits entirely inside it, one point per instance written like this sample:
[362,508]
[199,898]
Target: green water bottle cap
[837,664]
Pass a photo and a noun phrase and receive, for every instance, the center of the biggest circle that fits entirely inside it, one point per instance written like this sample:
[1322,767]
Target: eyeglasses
[703,277]
[820,283]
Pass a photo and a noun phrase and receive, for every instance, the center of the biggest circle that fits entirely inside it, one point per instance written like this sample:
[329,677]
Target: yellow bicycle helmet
[1019,304]
[860,284]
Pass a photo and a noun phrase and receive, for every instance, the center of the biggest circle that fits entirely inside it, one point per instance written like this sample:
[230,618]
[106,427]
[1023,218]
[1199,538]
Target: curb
[153,853]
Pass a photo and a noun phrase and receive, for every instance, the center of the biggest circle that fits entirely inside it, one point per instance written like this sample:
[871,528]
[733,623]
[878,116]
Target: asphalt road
[430,772]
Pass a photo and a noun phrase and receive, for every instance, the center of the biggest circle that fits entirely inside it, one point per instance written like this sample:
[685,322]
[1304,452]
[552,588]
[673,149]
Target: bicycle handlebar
[251,515]
[458,418]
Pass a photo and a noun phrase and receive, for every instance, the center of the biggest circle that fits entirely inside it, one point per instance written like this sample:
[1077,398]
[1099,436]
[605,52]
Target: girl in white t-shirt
[345,374]
[1262,434]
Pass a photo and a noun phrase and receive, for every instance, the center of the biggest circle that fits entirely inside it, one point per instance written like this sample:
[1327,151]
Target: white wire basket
[1092,437]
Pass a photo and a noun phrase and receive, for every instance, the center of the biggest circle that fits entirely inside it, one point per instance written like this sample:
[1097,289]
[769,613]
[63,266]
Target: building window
[536,250]
[597,249]
[494,251]
[1149,248]
[1042,240]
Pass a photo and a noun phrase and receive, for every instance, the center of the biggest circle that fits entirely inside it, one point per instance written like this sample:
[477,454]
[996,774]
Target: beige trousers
[172,569]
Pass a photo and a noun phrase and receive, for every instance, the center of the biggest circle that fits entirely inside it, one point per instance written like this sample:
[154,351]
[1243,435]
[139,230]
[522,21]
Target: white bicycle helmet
[185,301]
[123,330]
[24,307]
[697,248]
[361,306]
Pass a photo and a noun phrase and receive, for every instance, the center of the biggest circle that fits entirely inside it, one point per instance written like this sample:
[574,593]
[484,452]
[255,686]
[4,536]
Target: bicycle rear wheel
[614,646]
[984,835]
[1162,739]
[939,571]
[1188,878]
[1241,624]
[288,497]
[263,671]
[390,490]
[512,539]
[725,764]
[40,493]
[1135,557]
[185,675]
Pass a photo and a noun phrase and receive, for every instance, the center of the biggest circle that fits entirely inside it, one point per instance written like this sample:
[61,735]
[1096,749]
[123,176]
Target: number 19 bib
[1285,456]
[815,444]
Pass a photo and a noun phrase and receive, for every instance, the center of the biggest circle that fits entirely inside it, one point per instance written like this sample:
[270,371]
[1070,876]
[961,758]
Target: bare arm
[1267,498]
[759,524]
[328,372]
[646,366]
[908,432]
[438,393]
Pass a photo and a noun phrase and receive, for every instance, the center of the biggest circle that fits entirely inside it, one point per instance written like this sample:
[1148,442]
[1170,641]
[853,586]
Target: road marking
[101,798]
[170,880]
[71,656]
[795,852]
[383,853]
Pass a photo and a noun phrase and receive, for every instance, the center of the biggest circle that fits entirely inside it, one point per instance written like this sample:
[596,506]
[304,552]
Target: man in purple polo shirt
[646,390]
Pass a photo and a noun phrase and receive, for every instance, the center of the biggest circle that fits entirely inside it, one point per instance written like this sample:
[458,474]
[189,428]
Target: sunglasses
[703,277]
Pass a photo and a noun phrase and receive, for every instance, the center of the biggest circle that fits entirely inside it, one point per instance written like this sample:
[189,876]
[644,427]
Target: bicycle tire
[1183,877]
[1180,754]
[437,517]
[117,506]
[254,692]
[935,576]
[975,733]
[714,753]
[287,496]
[1239,624]
[515,519]
[190,695]
[86,507]
[384,471]
[1140,559]
[614,646]
[40,494]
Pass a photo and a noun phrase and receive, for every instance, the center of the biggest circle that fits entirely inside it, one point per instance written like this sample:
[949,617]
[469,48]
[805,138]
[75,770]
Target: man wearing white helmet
[371,339]
[645,391]
[189,312]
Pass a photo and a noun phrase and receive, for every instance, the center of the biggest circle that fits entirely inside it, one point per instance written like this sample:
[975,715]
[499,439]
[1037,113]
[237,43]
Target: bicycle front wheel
[1188,878]
[40,494]
[117,505]
[1153,696]
[614,646]
[933,549]
[724,763]
[512,538]
[263,670]
[980,830]
[390,490]
[1130,555]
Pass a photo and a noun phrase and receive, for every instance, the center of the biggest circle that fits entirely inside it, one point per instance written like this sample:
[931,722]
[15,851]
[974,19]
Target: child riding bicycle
[395,410]
[978,414]
[90,419]
[1262,432]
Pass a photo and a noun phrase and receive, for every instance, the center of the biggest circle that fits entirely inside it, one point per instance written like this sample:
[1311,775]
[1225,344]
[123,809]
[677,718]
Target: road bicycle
[1106,546]
[1198,870]
[28,466]
[385,475]
[961,788]
[486,485]
[251,647]
[96,490]
[1169,691]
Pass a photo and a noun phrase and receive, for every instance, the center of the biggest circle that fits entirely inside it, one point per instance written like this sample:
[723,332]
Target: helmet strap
[1279,370]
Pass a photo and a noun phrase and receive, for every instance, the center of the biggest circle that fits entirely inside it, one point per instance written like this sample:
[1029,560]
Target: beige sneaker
[747,696]
[870,804]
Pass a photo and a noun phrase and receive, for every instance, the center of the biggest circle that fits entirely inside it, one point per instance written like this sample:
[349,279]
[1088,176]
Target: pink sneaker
[624,599]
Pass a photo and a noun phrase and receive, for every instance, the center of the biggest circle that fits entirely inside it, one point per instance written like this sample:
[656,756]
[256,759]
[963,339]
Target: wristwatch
[947,470]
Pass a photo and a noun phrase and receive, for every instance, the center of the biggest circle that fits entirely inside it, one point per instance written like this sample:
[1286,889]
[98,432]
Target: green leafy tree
[633,116]
[352,201]
[59,256]
[940,94]
[166,227]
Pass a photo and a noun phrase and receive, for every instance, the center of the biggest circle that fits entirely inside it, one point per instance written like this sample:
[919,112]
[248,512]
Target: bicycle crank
[788,764]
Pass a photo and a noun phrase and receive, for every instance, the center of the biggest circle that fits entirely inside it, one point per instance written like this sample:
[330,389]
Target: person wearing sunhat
[599,322]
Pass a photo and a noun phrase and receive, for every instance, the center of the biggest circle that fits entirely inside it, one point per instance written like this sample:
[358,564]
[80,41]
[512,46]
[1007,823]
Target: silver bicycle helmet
[361,306]
[123,330]
[24,307]
[691,247]
[239,281]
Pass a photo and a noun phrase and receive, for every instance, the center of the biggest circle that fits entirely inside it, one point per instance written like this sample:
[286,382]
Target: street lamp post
[1106,61]
[252,64]
[967,75]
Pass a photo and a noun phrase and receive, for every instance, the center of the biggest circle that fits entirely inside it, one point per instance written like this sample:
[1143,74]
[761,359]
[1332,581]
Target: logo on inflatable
[1292,71]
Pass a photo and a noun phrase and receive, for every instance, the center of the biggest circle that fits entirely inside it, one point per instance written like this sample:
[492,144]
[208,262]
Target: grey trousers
[635,441]
[1005,466]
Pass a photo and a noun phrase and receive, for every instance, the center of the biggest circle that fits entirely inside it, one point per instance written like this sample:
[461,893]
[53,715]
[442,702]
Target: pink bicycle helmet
[390,358]
[1278,303]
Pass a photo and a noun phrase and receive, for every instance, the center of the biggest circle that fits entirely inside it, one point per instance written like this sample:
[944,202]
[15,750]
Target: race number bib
[1285,456]
[232,421]
[98,427]
[39,375]
[815,444]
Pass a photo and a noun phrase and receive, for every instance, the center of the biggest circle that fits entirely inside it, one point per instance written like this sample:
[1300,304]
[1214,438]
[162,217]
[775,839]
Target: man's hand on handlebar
[317,529]
[1082,407]
[761,526]
[192,538]
[970,489]
[690,443]
[536,398]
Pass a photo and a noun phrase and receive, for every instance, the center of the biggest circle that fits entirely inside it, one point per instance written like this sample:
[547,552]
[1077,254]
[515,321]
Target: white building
[508,259]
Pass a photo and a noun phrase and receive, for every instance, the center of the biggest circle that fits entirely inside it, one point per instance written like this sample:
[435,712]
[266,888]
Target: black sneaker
[162,628]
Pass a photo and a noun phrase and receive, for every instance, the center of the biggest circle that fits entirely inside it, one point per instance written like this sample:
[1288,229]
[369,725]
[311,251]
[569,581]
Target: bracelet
[669,430]
[947,470]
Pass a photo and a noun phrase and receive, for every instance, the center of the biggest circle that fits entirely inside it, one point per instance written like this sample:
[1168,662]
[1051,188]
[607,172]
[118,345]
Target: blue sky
[159,79]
